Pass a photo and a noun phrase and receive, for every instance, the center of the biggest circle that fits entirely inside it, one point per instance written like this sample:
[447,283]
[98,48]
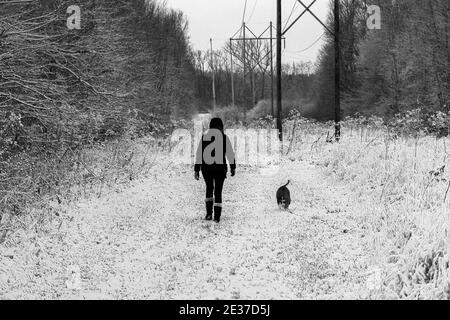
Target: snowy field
[355,231]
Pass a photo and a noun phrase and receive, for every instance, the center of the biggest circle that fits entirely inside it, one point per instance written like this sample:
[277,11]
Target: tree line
[253,86]
[130,66]
[403,66]
[127,72]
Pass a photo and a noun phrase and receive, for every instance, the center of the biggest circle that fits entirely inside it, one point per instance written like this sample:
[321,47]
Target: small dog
[284,197]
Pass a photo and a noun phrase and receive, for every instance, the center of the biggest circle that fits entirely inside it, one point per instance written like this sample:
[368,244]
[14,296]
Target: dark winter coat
[207,162]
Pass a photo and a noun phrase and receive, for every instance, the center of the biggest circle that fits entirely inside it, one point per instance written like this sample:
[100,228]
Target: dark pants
[214,186]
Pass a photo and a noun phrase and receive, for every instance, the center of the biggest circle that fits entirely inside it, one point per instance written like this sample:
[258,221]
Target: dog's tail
[289,181]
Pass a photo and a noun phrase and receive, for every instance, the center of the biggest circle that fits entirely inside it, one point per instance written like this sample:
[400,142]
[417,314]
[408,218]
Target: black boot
[209,209]
[217,212]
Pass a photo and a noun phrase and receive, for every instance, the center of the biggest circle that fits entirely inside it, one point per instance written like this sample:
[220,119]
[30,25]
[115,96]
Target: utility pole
[213,77]
[271,69]
[232,73]
[337,73]
[335,34]
[279,93]
[252,83]
[255,62]
[245,69]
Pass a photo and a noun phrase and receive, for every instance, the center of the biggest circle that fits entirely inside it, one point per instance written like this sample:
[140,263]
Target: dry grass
[401,186]
[36,189]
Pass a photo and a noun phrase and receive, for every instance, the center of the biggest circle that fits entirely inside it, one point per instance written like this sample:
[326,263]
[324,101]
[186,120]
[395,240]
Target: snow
[149,241]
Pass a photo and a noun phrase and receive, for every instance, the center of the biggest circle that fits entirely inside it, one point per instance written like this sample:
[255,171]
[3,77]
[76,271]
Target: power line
[245,11]
[243,19]
[301,15]
[253,11]
[297,57]
[290,15]
[312,45]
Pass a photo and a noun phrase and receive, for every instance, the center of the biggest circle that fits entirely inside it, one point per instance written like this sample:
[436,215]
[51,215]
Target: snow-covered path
[149,241]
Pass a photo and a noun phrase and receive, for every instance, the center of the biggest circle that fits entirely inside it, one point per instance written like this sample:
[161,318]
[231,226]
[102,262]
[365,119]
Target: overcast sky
[220,19]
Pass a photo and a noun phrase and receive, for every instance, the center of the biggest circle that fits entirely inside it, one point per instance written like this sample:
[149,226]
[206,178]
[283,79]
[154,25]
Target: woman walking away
[213,151]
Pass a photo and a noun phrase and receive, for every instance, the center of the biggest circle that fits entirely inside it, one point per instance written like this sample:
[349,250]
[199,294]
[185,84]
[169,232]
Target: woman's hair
[216,123]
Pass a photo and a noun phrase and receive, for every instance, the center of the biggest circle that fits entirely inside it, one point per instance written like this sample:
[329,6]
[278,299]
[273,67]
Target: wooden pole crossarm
[258,63]
[298,18]
[264,32]
[254,39]
[234,35]
[251,31]
[320,21]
